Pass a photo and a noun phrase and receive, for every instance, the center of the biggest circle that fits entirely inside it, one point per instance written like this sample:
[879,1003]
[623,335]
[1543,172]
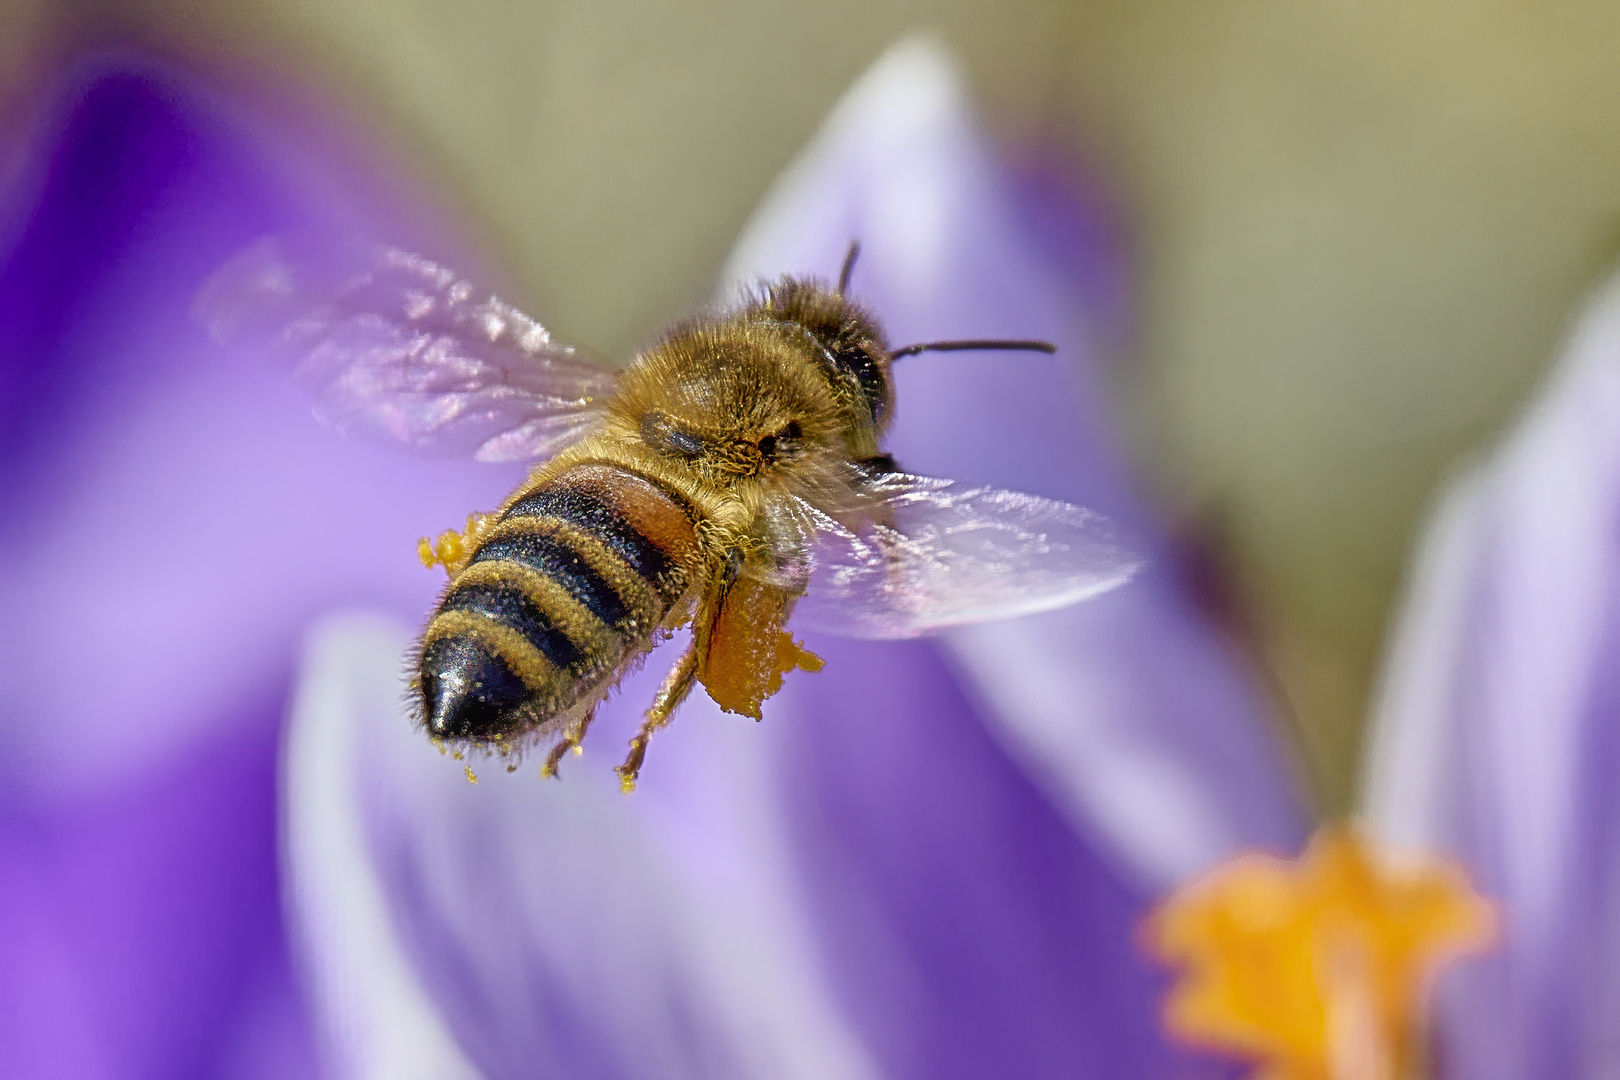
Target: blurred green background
[1356,229]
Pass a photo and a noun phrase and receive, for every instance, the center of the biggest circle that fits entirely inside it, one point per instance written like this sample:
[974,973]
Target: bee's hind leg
[571,740]
[677,684]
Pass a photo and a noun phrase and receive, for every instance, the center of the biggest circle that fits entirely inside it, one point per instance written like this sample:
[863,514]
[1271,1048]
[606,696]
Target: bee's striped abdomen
[573,576]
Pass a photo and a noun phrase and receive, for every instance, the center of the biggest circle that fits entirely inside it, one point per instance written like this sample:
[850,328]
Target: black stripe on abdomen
[510,607]
[586,509]
[551,556]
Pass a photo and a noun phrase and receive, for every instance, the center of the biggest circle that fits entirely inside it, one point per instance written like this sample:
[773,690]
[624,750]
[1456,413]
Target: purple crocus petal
[1131,711]
[173,516]
[968,929]
[143,929]
[1498,733]
[520,927]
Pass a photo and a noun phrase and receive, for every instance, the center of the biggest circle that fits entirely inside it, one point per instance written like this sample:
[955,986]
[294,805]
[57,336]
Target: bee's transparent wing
[927,554]
[396,347]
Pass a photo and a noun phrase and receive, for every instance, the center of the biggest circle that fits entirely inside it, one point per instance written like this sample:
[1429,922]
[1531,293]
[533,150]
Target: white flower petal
[1497,736]
[378,1021]
[559,928]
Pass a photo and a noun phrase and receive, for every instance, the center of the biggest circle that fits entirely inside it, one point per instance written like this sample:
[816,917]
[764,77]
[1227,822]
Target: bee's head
[741,397]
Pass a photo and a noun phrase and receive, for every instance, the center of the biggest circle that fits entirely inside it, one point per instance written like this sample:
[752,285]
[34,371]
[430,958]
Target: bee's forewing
[396,347]
[932,554]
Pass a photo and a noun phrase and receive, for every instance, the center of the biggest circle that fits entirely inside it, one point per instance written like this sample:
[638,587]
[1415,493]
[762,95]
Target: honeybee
[730,476]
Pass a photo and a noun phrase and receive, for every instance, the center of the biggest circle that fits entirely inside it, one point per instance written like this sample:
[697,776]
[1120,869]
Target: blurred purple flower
[930,859]
[1498,735]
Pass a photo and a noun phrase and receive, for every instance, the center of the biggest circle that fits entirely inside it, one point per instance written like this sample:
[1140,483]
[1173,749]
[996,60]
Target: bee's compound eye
[661,432]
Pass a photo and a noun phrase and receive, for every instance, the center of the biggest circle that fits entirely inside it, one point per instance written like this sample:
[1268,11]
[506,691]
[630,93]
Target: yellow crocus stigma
[1317,968]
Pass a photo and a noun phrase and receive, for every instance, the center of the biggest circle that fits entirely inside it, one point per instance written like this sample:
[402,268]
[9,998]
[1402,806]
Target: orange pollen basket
[1318,968]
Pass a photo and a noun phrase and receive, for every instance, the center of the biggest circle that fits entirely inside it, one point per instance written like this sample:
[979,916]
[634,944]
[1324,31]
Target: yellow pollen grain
[472,777]
[1318,968]
[749,652]
[452,549]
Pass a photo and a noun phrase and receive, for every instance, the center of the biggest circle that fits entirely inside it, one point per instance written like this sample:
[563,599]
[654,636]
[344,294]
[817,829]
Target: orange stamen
[1318,968]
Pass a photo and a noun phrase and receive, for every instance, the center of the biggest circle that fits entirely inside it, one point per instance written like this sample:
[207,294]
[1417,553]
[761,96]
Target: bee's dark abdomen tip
[468,692]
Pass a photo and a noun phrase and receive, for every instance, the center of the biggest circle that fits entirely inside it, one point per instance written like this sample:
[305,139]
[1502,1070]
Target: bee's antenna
[849,267]
[965,346]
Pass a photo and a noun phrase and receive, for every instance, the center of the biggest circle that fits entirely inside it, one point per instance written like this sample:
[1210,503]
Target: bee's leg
[715,600]
[677,684]
[570,741]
